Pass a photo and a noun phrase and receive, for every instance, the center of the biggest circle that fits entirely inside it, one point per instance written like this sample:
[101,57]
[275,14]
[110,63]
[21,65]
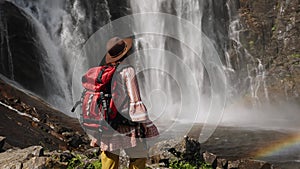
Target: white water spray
[59,26]
[190,11]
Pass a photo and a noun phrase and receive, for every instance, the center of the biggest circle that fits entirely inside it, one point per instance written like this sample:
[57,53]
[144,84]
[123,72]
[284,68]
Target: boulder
[12,158]
[188,149]
[222,163]
[36,163]
[16,165]
[210,158]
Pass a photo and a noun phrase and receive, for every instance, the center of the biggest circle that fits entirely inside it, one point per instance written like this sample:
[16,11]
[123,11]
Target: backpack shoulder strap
[100,74]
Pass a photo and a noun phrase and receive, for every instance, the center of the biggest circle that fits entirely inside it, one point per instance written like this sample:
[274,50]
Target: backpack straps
[79,101]
[99,80]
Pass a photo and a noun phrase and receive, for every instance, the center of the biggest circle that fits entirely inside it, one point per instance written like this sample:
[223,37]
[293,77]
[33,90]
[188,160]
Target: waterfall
[62,28]
[166,82]
[246,73]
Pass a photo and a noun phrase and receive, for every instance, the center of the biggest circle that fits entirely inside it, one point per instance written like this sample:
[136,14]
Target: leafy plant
[205,166]
[75,162]
[186,165]
[181,165]
[80,161]
[95,165]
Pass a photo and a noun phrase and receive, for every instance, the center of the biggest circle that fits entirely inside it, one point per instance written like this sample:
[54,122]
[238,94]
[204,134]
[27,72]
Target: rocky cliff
[269,31]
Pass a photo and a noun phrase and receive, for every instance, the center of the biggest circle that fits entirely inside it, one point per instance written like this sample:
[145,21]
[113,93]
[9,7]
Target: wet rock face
[271,34]
[20,52]
[119,8]
[215,23]
[26,121]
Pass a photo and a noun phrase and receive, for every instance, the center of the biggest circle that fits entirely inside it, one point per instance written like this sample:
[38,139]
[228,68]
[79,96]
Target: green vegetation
[251,44]
[80,161]
[273,28]
[182,165]
[186,165]
[295,55]
[75,162]
[95,165]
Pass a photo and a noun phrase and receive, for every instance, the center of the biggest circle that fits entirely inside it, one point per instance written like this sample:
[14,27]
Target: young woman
[127,136]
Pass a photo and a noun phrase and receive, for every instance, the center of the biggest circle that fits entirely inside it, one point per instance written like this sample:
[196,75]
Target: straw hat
[117,48]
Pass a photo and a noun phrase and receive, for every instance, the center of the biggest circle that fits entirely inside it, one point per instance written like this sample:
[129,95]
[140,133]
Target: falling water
[159,90]
[253,78]
[62,28]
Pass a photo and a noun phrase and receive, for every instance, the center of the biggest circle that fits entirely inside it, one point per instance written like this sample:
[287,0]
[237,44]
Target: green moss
[295,55]
[251,43]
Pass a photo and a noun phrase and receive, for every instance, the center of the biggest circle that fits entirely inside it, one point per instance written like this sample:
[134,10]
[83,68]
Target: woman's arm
[137,109]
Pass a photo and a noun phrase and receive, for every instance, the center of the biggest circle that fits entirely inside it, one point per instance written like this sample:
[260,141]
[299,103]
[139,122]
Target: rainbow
[278,146]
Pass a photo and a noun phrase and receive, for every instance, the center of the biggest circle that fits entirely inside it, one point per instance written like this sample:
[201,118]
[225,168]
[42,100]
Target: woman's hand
[93,142]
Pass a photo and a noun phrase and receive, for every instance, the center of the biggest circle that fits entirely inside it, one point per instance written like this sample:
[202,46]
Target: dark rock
[189,149]
[62,129]
[222,163]
[66,156]
[2,141]
[272,37]
[75,141]
[210,158]
[22,55]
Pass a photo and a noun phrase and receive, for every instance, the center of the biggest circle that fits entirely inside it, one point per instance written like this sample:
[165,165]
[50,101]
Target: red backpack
[98,109]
